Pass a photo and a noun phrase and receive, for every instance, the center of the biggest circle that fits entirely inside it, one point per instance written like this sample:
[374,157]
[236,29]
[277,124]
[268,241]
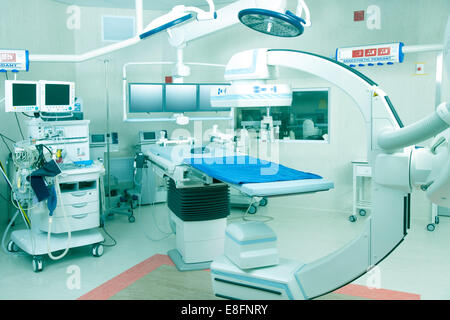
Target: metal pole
[108,135]
[422,48]
[439,72]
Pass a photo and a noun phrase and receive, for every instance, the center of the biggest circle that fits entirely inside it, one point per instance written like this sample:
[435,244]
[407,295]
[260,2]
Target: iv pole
[108,135]
[109,210]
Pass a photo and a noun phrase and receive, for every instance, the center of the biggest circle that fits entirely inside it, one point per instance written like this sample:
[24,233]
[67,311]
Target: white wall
[410,21]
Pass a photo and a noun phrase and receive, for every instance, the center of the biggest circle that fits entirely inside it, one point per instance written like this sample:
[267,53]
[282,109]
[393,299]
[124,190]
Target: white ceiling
[148,4]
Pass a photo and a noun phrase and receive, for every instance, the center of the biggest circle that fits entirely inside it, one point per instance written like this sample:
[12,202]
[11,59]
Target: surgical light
[276,23]
[272,23]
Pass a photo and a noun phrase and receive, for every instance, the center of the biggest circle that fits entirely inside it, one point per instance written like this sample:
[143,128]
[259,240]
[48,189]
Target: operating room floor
[419,265]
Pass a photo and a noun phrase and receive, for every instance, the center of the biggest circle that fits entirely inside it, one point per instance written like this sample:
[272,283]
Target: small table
[362,175]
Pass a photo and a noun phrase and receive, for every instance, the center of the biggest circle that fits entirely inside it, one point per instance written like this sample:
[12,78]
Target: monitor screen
[98,138]
[181,97]
[57,94]
[205,97]
[24,94]
[149,135]
[146,97]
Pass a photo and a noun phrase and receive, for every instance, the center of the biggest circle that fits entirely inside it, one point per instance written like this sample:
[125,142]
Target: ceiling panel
[148,4]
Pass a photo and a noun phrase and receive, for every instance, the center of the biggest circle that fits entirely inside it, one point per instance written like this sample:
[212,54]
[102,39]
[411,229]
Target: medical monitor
[57,96]
[98,138]
[147,136]
[151,135]
[204,94]
[181,97]
[145,97]
[21,96]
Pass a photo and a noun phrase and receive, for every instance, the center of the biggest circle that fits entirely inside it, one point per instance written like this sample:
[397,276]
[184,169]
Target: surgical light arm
[177,15]
[226,17]
[206,22]
[204,15]
[300,7]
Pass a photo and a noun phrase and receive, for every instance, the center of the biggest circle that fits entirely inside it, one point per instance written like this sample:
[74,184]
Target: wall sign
[371,55]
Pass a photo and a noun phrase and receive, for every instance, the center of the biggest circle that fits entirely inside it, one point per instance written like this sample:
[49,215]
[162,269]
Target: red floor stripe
[376,294]
[126,278]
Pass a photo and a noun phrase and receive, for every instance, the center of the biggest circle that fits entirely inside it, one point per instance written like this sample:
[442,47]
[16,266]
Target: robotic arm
[419,131]
[430,169]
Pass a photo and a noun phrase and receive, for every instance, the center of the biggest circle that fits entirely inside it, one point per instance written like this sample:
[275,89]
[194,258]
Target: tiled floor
[419,265]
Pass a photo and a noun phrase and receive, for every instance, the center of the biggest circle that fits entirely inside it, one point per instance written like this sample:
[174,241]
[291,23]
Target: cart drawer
[77,222]
[77,208]
[69,198]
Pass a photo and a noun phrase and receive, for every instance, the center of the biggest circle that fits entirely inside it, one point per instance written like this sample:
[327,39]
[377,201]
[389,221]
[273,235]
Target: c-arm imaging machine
[398,167]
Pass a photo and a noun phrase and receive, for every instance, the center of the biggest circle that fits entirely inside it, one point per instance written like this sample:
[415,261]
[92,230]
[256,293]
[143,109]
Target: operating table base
[268,283]
[183,266]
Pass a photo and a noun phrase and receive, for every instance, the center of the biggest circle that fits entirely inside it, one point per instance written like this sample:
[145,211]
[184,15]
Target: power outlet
[420,68]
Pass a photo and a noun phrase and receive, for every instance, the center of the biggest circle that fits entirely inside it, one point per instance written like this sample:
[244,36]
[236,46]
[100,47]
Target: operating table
[199,179]
[188,166]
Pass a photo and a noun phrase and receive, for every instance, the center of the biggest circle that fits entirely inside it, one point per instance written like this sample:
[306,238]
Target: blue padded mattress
[245,169]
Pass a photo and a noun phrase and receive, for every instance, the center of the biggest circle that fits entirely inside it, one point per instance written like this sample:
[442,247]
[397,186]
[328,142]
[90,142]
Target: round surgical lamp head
[272,22]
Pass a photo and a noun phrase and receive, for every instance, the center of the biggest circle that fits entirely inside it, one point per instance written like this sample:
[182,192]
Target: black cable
[7,138]
[3,139]
[48,149]
[114,241]
[18,124]
[41,159]
[26,115]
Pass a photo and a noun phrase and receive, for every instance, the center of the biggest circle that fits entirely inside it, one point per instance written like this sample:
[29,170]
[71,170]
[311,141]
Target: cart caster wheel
[252,209]
[263,202]
[131,219]
[12,247]
[430,227]
[352,218]
[436,220]
[38,264]
[97,250]
[362,212]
